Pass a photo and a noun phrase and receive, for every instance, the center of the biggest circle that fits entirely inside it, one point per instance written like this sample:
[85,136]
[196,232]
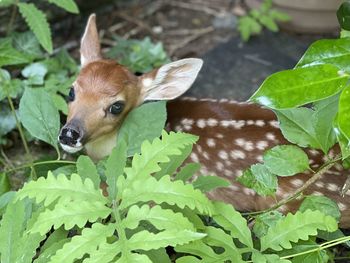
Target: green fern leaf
[68,5]
[105,253]
[37,22]
[156,152]
[86,243]
[66,190]
[189,259]
[45,256]
[157,216]
[187,171]
[70,214]
[200,249]
[295,227]
[145,240]
[134,258]
[167,191]
[27,247]
[227,217]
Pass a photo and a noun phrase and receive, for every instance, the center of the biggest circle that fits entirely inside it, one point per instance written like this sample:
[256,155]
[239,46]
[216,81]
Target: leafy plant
[139,55]
[264,16]
[139,217]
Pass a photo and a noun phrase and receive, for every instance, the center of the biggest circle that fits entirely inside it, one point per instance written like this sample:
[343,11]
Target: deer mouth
[72,148]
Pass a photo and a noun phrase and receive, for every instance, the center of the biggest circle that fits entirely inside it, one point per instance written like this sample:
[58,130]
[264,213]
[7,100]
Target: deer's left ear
[169,81]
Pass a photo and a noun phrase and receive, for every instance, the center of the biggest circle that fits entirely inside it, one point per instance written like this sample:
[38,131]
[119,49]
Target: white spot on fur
[206,155]
[259,158]
[201,123]
[212,122]
[194,157]
[250,122]
[228,173]
[219,135]
[297,182]
[223,155]
[211,142]
[260,123]
[248,191]
[314,152]
[220,166]
[332,187]
[319,184]
[274,124]
[317,193]
[261,145]
[270,136]
[240,142]
[237,154]
[234,187]
[248,146]
[342,206]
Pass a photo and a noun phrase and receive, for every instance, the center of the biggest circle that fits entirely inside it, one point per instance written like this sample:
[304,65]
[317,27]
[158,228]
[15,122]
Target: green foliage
[139,55]
[343,15]
[264,16]
[322,203]
[68,5]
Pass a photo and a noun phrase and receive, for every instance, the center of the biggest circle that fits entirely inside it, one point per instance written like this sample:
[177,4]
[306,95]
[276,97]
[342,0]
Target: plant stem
[300,190]
[13,17]
[38,163]
[120,229]
[24,142]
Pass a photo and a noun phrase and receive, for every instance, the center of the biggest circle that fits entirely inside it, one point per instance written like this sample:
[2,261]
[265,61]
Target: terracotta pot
[308,16]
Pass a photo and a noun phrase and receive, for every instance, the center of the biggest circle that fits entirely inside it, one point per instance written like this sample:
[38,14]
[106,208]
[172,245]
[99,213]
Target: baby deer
[232,135]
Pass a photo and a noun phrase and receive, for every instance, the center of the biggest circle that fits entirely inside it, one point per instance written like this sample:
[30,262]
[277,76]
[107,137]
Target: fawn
[233,135]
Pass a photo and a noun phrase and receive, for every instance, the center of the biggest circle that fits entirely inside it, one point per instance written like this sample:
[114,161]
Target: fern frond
[295,227]
[146,240]
[105,253]
[166,191]
[157,152]
[68,5]
[66,190]
[134,258]
[70,214]
[86,243]
[37,22]
[160,218]
[200,249]
[231,220]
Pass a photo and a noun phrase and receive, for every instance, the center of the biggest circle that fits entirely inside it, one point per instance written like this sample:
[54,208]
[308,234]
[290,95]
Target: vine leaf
[39,115]
[37,22]
[87,169]
[295,227]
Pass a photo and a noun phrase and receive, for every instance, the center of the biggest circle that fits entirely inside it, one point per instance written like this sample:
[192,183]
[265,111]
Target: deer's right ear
[90,49]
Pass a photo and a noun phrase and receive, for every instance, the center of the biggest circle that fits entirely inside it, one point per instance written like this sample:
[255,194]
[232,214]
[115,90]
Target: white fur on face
[72,149]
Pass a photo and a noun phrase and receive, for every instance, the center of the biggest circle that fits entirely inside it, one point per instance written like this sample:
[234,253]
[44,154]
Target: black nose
[69,136]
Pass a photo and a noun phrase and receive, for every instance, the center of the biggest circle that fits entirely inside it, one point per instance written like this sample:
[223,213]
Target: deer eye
[71,94]
[116,107]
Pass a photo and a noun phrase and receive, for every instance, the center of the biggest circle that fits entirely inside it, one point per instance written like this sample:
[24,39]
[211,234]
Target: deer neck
[100,148]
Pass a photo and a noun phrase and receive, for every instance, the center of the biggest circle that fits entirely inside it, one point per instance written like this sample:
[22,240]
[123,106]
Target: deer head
[105,92]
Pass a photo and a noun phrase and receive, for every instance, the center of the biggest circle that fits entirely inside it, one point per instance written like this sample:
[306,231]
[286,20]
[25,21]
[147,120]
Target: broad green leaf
[260,179]
[66,190]
[69,215]
[60,103]
[37,22]
[314,257]
[87,169]
[86,243]
[231,220]
[310,128]
[135,258]
[187,171]
[56,236]
[154,153]
[143,123]
[10,55]
[11,228]
[286,160]
[28,44]
[344,112]
[158,255]
[343,15]
[35,73]
[9,87]
[175,162]
[5,185]
[166,191]
[161,219]
[296,87]
[27,247]
[327,51]
[344,142]
[209,183]
[68,5]
[322,203]
[264,221]
[66,170]
[145,240]
[6,3]
[46,255]
[8,121]
[296,227]
[115,165]
[39,116]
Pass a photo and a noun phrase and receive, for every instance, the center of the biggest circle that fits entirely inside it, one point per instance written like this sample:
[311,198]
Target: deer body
[232,135]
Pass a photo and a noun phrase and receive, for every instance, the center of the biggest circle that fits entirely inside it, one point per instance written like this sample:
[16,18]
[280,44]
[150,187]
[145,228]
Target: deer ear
[170,81]
[90,49]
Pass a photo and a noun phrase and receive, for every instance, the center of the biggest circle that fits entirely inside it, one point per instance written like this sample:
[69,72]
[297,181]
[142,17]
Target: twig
[13,17]
[6,161]
[200,33]
[136,21]
[69,45]
[300,190]
[195,7]
[254,58]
